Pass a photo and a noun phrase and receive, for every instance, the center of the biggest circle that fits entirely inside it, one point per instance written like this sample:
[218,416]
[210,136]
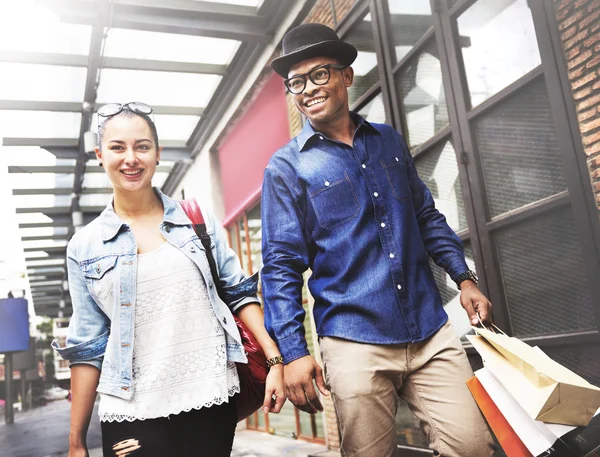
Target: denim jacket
[102,257]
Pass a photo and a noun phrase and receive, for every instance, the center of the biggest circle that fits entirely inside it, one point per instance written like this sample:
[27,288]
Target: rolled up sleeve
[89,327]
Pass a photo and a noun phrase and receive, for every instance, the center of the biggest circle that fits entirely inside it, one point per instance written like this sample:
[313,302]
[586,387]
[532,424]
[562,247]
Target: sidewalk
[257,444]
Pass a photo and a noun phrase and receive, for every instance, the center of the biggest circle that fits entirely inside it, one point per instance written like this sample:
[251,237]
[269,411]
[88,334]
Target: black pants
[206,432]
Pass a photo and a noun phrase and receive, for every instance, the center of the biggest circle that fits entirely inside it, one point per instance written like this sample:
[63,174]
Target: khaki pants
[366,379]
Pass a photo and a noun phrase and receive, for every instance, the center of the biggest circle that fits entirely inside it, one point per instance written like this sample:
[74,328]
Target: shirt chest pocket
[397,177]
[99,276]
[334,201]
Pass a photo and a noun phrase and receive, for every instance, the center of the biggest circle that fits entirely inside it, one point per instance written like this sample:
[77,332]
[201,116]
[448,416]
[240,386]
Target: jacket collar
[111,224]
[308,132]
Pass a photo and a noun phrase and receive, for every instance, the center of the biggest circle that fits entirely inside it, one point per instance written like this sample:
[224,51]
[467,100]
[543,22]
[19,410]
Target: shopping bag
[546,390]
[506,436]
[538,437]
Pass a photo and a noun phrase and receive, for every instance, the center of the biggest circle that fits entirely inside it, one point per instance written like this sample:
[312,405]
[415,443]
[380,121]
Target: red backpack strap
[194,213]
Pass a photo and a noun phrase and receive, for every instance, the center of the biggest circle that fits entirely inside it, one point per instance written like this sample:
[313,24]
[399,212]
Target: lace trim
[108,417]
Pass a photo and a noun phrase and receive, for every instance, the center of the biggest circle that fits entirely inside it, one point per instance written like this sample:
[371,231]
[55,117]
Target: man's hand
[474,303]
[299,386]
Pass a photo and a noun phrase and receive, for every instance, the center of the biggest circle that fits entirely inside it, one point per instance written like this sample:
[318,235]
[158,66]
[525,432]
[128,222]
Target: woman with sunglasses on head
[148,331]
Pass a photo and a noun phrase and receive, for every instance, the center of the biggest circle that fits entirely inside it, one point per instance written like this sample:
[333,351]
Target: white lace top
[179,358]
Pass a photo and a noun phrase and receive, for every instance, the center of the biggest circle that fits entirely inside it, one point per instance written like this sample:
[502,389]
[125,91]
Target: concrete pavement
[43,432]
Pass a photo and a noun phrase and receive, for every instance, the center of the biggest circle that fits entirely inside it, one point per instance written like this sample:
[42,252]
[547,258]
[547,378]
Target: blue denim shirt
[363,221]
[102,258]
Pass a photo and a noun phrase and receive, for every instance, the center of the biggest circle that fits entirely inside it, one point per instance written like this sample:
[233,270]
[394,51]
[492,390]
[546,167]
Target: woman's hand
[274,390]
[78,450]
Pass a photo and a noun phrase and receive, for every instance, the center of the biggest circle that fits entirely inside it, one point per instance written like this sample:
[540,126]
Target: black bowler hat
[312,40]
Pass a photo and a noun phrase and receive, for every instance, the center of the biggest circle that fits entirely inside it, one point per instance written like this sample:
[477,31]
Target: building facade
[499,102]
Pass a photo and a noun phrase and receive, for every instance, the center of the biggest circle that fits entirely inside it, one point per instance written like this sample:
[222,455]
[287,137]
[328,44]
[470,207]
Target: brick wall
[579,26]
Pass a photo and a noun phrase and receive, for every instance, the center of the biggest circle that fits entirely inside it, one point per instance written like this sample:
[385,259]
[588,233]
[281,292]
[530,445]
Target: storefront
[481,92]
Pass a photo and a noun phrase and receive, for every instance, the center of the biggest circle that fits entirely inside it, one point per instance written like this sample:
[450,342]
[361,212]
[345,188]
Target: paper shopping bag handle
[492,328]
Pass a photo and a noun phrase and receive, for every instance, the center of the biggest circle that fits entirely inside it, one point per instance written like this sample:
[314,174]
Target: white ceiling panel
[138,44]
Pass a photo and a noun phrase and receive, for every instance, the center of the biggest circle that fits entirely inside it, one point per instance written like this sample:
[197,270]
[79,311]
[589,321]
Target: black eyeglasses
[115,108]
[319,75]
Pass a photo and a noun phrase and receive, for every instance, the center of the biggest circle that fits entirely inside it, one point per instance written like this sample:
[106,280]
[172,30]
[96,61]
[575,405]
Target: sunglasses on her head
[115,108]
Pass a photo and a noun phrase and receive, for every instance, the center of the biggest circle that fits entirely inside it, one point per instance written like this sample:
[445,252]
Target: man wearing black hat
[344,199]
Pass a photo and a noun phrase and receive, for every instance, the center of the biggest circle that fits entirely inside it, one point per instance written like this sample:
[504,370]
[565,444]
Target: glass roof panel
[168,126]
[45,263]
[43,201]
[39,124]
[95,200]
[31,156]
[96,180]
[175,127]
[44,244]
[44,231]
[33,218]
[138,44]
[23,81]
[27,26]
[41,180]
[156,87]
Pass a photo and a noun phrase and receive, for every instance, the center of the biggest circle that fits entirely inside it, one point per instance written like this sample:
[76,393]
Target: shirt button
[364,166]
[98,269]
[383,224]
[168,228]
[396,159]
[391,255]
[225,320]
[375,194]
[320,137]
[326,183]
[193,249]
[399,287]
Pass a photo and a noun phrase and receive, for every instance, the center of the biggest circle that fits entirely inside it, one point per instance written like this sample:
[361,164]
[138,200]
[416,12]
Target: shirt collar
[308,132]
[111,224]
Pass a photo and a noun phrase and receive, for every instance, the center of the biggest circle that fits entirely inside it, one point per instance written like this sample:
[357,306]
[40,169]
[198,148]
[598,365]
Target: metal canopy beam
[121,63]
[60,210]
[41,142]
[62,191]
[71,60]
[28,105]
[47,249]
[58,220]
[43,58]
[42,238]
[74,107]
[248,28]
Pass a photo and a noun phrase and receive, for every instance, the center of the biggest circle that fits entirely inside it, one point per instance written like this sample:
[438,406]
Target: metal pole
[23,390]
[9,413]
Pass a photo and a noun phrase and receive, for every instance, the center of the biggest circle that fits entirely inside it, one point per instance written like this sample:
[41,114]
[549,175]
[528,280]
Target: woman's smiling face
[128,152]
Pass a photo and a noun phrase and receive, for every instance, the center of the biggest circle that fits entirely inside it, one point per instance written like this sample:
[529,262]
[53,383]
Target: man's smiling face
[322,104]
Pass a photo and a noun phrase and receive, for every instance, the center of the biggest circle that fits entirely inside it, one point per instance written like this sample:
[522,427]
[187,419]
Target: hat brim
[344,52]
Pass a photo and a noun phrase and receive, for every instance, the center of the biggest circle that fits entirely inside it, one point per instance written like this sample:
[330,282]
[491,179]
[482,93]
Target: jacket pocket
[397,177]
[334,201]
[99,276]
